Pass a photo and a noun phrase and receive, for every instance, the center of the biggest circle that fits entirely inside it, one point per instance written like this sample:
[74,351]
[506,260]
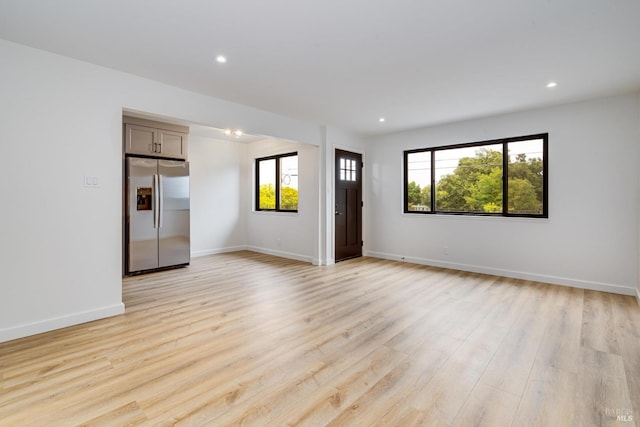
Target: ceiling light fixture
[552,84]
[221,59]
[381,119]
[235,132]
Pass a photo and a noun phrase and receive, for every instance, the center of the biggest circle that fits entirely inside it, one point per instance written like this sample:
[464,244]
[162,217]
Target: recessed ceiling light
[552,84]
[381,119]
[221,59]
[237,132]
[227,132]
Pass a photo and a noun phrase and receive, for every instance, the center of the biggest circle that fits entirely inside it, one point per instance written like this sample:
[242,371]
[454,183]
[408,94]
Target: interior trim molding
[281,254]
[206,252]
[553,280]
[60,322]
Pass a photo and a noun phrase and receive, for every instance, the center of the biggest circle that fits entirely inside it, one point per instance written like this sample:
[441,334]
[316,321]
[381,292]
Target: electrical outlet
[445,250]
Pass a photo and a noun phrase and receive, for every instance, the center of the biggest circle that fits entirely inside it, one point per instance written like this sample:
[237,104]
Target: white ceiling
[346,63]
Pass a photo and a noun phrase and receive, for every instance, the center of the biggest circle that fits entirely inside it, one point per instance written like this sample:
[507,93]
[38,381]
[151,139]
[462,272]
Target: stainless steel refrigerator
[157,223]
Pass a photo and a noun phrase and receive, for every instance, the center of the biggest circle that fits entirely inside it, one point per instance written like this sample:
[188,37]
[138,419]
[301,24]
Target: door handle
[156,205]
[160,200]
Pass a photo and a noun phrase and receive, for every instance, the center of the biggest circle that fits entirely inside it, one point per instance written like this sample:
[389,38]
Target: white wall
[61,119]
[218,188]
[591,237]
[291,235]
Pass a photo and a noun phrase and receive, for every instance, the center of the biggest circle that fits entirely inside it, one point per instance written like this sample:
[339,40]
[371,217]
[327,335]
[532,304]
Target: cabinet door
[172,144]
[140,140]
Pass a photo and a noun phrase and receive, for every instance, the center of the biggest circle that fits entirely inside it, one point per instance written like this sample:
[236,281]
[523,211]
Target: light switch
[91,181]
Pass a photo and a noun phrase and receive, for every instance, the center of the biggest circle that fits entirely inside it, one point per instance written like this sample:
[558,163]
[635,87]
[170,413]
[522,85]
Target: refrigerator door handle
[160,200]
[155,201]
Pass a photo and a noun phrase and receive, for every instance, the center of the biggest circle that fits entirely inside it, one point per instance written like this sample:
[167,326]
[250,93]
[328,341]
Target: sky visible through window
[289,171]
[268,172]
[419,165]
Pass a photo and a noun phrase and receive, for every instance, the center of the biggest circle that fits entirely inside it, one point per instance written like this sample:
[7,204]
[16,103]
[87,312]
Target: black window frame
[505,177]
[277,158]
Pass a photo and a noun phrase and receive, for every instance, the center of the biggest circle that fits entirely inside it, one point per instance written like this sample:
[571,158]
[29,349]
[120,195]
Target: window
[348,170]
[277,183]
[506,177]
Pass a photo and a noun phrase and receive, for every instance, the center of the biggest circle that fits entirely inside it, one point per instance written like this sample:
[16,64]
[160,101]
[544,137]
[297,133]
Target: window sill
[276,213]
[460,217]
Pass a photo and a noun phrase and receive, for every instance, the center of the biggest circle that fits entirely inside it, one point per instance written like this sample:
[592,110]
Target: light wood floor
[249,339]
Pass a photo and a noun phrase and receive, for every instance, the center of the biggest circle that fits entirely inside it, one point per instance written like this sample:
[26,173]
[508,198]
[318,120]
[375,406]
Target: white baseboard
[206,252]
[563,281]
[60,322]
[282,254]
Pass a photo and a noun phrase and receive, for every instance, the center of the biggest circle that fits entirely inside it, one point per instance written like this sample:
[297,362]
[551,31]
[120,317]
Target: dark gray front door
[348,208]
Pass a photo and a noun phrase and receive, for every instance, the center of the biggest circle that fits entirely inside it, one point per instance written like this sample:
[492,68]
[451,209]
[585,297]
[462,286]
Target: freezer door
[142,234]
[174,233]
